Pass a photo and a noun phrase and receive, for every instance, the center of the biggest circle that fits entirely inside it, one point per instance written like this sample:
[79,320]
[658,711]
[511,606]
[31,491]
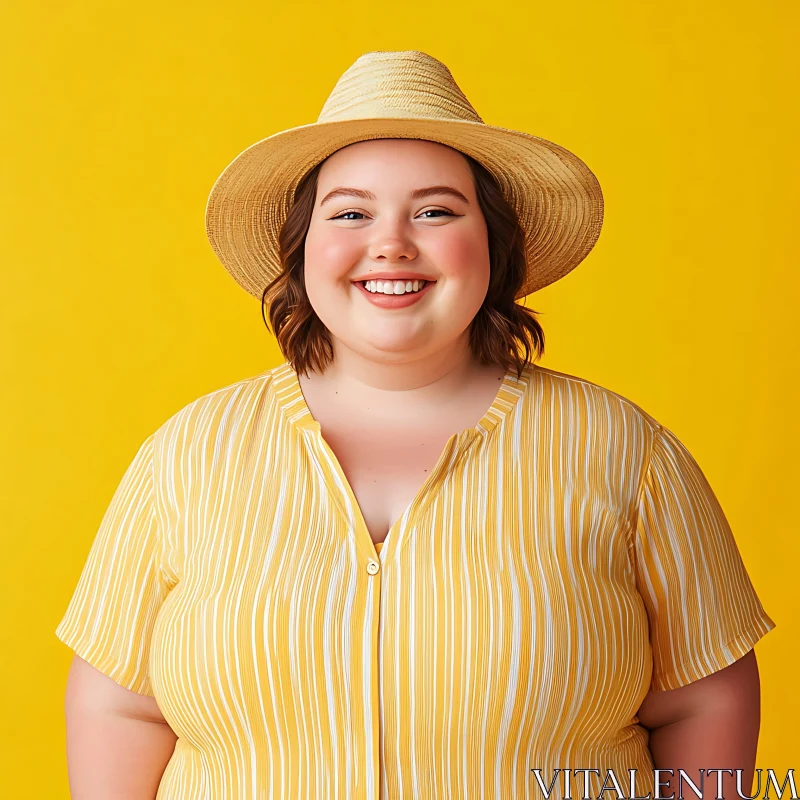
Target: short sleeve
[110,617]
[703,611]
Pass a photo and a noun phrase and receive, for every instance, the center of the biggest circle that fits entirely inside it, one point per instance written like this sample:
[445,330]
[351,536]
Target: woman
[408,561]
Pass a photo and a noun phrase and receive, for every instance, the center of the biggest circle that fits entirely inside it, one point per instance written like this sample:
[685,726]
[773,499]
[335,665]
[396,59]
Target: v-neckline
[292,403]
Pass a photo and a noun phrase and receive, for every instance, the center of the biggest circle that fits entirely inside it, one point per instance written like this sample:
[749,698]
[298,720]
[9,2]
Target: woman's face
[397,209]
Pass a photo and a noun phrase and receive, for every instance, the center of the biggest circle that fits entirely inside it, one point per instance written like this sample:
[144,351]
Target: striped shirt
[564,556]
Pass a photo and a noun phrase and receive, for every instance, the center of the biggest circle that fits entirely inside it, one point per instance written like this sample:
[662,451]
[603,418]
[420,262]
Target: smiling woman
[553,560]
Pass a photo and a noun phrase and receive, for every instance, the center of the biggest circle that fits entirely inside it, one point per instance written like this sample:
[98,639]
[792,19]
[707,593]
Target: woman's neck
[399,389]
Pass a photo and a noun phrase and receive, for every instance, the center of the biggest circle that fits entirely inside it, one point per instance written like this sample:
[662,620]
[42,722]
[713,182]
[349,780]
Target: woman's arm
[118,742]
[712,723]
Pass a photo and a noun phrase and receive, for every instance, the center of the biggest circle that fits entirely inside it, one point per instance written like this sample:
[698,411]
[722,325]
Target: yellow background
[116,120]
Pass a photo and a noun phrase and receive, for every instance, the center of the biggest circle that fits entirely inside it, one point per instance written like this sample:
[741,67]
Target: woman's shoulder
[588,400]
[218,409]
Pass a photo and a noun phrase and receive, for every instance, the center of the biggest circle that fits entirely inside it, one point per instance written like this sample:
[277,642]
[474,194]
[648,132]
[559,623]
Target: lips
[386,277]
[394,300]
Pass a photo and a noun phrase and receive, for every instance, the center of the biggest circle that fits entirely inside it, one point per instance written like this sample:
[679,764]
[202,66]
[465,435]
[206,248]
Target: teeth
[393,287]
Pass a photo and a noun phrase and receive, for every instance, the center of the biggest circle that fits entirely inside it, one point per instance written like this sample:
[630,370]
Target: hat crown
[397,84]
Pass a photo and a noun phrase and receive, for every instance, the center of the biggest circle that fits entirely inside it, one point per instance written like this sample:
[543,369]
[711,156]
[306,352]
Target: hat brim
[557,197]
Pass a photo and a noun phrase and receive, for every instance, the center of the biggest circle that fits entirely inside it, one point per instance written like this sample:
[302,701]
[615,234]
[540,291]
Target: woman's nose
[392,243]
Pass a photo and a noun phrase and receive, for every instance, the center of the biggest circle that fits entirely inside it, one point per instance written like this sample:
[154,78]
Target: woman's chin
[388,343]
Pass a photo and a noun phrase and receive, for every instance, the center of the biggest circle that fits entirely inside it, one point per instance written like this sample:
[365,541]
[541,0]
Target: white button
[373,567]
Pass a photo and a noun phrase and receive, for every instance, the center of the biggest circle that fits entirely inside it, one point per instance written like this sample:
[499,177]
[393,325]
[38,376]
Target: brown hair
[497,331]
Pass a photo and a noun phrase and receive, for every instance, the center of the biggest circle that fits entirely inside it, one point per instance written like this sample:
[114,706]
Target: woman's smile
[375,292]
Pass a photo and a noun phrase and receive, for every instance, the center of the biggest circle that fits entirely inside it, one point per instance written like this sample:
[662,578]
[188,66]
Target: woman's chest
[386,455]
[385,468]
[278,617]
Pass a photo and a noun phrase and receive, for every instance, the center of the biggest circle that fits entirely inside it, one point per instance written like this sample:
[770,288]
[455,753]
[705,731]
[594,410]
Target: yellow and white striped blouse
[564,556]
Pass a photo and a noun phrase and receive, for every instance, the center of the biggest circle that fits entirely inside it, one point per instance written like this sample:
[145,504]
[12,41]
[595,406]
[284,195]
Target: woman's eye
[437,211]
[346,215]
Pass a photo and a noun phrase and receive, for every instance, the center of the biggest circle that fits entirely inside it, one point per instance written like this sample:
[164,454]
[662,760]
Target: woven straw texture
[408,95]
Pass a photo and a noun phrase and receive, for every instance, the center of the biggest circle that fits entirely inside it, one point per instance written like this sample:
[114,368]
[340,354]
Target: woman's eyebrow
[417,194]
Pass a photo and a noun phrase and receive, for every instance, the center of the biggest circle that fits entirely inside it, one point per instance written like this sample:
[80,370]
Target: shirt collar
[290,398]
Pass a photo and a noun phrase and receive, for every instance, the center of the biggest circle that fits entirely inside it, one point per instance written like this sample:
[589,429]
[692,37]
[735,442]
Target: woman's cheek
[462,255]
[330,254]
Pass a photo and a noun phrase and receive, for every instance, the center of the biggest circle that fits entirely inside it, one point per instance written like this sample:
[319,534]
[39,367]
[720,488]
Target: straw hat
[410,95]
